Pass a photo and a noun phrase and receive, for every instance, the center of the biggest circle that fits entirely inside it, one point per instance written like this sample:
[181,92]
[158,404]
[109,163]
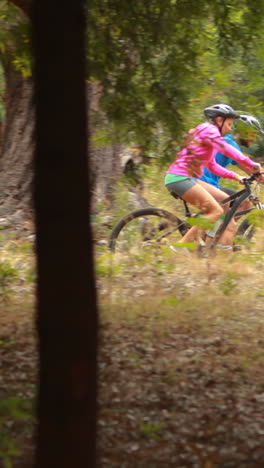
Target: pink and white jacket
[204,142]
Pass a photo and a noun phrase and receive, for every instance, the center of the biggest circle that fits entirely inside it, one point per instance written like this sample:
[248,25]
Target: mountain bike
[153,227]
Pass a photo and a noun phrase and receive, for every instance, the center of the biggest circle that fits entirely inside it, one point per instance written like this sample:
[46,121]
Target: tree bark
[16,144]
[106,161]
[66,298]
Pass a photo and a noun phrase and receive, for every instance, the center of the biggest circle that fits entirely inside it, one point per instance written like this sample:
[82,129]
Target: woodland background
[150,72]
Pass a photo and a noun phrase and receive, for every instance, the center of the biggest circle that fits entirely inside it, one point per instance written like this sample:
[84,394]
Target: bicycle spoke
[146,229]
[146,233]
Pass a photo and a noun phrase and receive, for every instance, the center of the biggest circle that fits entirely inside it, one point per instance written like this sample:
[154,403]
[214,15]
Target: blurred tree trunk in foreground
[66,297]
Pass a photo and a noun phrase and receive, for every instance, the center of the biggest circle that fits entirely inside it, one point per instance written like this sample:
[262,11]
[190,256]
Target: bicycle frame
[170,223]
[239,196]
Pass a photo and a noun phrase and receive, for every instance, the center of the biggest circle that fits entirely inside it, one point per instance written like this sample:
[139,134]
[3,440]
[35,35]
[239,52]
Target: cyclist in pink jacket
[203,142]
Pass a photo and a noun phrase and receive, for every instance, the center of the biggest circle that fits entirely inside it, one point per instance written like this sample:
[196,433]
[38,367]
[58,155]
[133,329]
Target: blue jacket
[224,161]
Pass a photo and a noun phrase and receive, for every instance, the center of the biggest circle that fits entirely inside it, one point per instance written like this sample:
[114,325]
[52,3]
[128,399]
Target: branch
[24,5]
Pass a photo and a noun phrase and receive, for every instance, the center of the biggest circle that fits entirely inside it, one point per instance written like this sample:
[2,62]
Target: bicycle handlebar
[252,178]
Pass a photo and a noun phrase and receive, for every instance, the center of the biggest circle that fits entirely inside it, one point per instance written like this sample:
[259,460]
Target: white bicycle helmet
[250,120]
[220,110]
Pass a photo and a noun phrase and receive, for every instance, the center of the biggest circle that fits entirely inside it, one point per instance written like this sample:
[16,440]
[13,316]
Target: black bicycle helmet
[250,120]
[220,110]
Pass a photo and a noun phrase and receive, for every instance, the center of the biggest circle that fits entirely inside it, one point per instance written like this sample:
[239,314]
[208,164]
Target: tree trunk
[106,170]
[66,298]
[16,145]
[17,148]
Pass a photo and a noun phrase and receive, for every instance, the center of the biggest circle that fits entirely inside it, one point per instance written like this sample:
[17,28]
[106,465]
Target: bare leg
[219,195]
[204,201]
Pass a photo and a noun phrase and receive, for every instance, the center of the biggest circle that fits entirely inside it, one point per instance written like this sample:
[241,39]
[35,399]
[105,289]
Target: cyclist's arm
[245,169]
[233,153]
[215,168]
[217,142]
[251,171]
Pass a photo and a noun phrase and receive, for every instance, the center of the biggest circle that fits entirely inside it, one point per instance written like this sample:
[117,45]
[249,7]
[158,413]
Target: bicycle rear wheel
[148,227]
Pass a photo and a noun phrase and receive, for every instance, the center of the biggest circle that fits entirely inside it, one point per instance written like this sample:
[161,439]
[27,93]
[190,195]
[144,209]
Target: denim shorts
[180,188]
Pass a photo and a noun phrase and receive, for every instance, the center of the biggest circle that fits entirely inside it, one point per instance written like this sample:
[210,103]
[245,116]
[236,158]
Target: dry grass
[180,357]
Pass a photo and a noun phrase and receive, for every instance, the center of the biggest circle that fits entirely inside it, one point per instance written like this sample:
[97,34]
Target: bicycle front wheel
[148,227]
[246,230]
[248,227]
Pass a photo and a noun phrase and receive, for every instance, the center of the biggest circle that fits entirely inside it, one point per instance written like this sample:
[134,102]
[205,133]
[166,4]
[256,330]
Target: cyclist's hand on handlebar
[240,179]
[261,177]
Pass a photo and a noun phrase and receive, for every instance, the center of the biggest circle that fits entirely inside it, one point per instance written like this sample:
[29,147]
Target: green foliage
[256,217]
[201,222]
[229,283]
[172,300]
[152,62]
[260,293]
[8,449]
[15,38]
[25,248]
[15,408]
[7,344]
[151,430]
[187,245]
[121,196]
[31,275]
[105,267]
[8,275]
[157,66]
[11,409]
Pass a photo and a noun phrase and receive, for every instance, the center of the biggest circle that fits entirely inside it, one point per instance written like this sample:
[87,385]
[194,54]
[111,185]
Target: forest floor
[181,354]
